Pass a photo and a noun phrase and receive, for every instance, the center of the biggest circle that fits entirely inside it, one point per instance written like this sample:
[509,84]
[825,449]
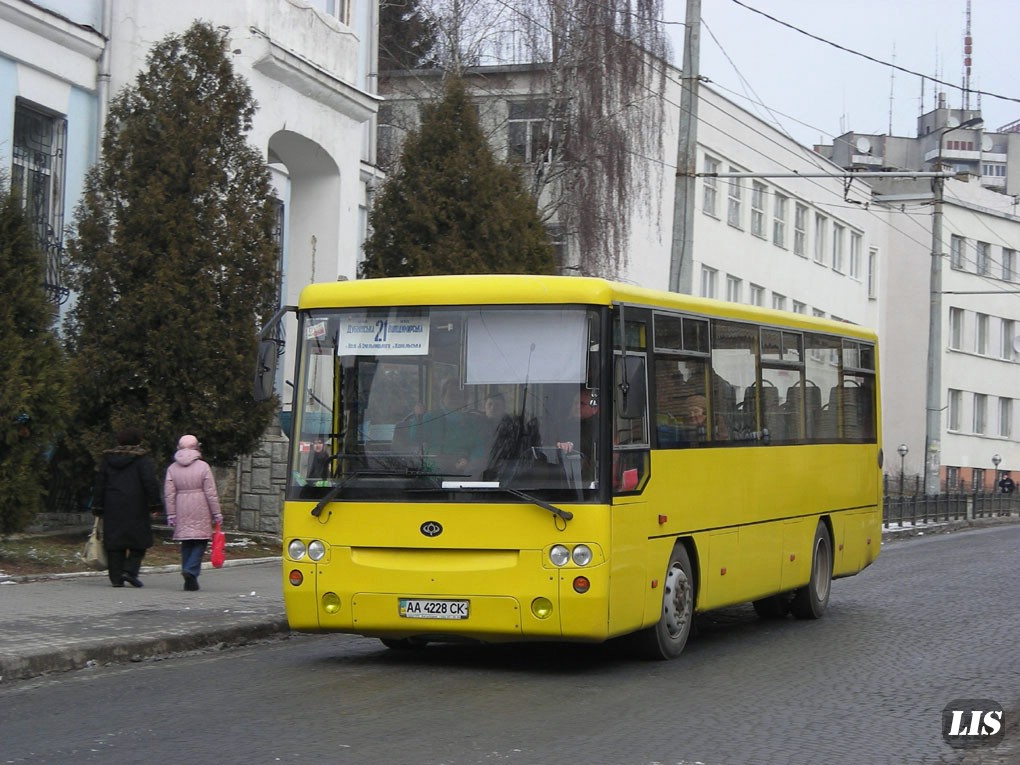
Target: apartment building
[310,67]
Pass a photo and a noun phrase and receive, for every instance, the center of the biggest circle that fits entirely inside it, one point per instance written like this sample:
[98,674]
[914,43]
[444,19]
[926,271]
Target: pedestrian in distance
[126,495]
[192,506]
[1007,485]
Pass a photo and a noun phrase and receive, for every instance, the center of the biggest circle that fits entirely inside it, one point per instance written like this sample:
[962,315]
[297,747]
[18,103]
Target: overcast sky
[814,91]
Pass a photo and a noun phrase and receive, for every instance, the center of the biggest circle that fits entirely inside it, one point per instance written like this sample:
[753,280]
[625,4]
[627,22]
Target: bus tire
[809,602]
[666,640]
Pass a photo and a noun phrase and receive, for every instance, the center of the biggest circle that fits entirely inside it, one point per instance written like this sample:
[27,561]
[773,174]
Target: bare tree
[599,69]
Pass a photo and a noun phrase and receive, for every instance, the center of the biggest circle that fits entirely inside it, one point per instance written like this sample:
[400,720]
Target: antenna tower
[968,46]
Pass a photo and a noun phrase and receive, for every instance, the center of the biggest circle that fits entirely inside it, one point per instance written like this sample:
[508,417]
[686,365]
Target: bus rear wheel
[809,602]
[666,640]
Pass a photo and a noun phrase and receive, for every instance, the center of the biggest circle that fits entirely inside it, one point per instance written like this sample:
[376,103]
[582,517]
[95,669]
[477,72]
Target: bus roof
[530,289]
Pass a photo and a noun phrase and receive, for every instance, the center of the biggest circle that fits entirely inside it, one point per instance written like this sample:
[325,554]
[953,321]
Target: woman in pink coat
[192,506]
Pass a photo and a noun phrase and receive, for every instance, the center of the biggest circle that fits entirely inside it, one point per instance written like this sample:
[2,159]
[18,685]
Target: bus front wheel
[666,640]
[809,602]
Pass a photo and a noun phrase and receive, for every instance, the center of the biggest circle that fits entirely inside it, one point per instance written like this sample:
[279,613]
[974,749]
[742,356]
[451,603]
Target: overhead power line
[872,58]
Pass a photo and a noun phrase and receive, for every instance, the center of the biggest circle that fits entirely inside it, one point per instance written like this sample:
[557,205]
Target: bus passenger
[697,421]
[448,433]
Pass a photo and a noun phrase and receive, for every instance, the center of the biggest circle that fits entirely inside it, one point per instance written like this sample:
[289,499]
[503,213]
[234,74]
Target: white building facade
[310,66]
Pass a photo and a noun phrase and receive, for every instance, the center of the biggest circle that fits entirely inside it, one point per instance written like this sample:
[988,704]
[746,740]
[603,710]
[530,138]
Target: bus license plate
[433,609]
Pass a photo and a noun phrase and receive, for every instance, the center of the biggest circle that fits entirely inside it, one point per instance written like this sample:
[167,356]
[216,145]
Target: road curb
[103,653]
[169,568]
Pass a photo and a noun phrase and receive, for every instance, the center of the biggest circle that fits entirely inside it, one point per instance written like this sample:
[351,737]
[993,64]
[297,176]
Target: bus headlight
[581,555]
[559,555]
[316,550]
[296,549]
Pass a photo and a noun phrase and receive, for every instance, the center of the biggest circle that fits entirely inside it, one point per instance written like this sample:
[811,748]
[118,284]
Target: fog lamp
[330,602]
[542,608]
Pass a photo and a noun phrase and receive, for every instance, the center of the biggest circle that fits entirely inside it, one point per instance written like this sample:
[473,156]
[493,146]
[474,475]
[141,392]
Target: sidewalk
[73,621]
[78,620]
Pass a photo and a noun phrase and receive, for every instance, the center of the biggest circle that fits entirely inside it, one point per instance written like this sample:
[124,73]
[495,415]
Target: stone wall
[260,480]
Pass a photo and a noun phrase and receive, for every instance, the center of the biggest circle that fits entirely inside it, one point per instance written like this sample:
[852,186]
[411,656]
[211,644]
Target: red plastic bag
[219,546]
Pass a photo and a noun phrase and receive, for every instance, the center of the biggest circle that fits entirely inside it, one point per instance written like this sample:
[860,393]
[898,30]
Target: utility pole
[682,246]
[933,398]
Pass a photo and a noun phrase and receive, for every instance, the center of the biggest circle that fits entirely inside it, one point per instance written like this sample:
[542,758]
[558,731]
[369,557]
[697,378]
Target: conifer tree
[174,259]
[407,37]
[451,207]
[34,397]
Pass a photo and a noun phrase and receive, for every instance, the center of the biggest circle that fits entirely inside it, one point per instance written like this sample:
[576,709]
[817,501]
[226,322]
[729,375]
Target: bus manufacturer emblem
[432,528]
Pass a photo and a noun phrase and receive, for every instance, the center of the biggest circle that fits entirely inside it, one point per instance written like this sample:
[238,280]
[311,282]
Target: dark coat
[127,493]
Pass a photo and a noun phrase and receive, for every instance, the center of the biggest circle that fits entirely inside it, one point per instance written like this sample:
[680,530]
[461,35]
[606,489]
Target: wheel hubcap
[823,565]
[676,600]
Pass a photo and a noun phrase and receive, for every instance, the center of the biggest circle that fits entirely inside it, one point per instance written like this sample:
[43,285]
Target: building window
[338,9]
[778,301]
[956,329]
[708,279]
[981,334]
[1008,264]
[799,307]
[977,478]
[952,478]
[1006,417]
[709,199]
[820,238]
[734,289]
[956,251]
[955,401]
[1007,350]
[800,219]
[733,212]
[37,172]
[856,244]
[818,313]
[980,412]
[533,136]
[758,195]
[872,277]
[983,265]
[779,221]
[838,234]
[757,295]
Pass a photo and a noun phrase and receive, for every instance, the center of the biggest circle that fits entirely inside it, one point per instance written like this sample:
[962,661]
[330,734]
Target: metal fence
[906,504]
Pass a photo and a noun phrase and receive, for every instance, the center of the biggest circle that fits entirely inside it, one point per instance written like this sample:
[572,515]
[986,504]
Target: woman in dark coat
[127,493]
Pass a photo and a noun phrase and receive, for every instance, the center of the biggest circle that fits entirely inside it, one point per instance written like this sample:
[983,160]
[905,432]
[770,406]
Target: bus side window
[630,431]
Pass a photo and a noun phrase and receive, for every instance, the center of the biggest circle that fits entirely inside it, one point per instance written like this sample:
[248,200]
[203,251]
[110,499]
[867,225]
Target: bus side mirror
[631,392]
[265,369]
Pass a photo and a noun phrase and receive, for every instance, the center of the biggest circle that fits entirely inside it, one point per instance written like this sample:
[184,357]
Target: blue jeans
[192,552]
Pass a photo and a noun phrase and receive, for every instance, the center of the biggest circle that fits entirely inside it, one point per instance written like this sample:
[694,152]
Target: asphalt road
[935,619]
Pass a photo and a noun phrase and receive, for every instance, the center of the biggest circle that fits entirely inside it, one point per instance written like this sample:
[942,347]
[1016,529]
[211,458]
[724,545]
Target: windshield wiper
[492,486]
[564,514]
[408,473]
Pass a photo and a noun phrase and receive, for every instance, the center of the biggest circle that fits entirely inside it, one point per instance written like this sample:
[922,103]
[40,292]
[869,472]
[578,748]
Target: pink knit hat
[187,442]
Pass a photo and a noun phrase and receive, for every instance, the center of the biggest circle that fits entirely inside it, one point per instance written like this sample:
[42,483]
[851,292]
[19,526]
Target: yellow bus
[542,458]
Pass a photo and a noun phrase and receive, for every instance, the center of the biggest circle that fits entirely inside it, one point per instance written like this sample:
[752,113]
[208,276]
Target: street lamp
[902,449]
[933,419]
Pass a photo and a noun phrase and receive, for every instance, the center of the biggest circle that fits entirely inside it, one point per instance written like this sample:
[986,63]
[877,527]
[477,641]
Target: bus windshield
[447,403]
